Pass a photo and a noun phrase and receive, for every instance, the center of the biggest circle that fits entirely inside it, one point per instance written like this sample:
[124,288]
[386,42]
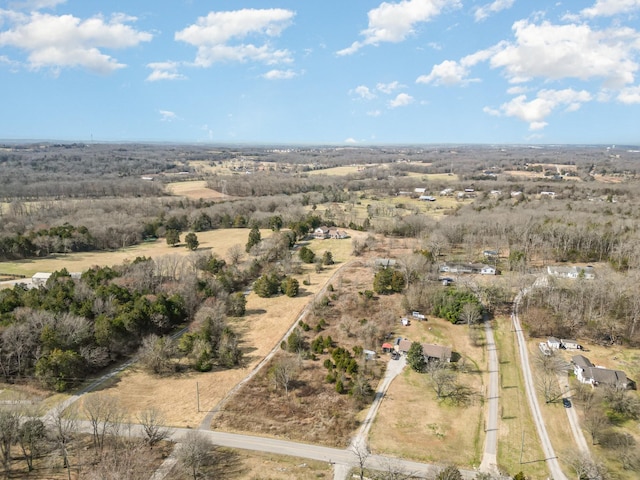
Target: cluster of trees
[605,309]
[69,329]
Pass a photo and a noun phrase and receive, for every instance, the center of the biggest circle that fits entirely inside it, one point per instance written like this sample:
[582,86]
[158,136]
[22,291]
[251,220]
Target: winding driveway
[550,456]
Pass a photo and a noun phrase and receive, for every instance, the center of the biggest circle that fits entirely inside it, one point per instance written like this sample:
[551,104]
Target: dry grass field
[412,423]
[261,329]
[194,190]
[216,241]
[339,171]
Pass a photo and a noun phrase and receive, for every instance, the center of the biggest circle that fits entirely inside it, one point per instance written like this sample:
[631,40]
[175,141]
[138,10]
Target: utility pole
[198,396]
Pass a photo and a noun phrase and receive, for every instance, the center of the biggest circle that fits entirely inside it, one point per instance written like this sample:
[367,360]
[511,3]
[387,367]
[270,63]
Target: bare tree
[470,314]
[362,453]
[586,467]
[549,386]
[152,422]
[284,371]
[156,354]
[442,378]
[63,426]
[102,410]
[194,452]
[9,427]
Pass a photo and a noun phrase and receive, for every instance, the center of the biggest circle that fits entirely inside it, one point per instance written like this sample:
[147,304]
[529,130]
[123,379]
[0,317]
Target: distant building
[562,271]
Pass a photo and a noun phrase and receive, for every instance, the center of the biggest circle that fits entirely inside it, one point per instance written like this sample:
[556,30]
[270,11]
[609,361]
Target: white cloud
[280,75]
[388,88]
[350,140]
[608,8]
[483,12]
[546,102]
[517,90]
[167,116]
[401,100]
[363,92]
[629,95]
[448,72]
[394,22]
[568,51]
[374,113]
[164,71]
[66,41]
[213,36]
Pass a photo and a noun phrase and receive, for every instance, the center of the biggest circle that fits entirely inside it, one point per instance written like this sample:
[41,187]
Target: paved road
[547,448]
[489,462]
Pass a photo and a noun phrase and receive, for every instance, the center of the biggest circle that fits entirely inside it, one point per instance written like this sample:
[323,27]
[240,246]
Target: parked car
[395,355]
[566,402]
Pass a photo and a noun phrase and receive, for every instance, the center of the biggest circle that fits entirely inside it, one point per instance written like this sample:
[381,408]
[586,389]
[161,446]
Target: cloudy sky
[321,72]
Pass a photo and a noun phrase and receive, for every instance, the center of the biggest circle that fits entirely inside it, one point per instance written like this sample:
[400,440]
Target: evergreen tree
[254,238]
[191,239]
[415,358]
[173,237]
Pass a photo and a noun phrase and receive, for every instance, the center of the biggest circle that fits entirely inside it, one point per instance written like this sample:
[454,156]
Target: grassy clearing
[518,442]
[438,432]
[195,190]
[338,171]
[217,241]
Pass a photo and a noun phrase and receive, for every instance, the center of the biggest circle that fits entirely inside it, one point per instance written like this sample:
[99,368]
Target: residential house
[321,233]
[573,272]
[587,372]
[39,279]
[403,345]
[488,270]
[385,262]
[337,234]
[554,343]
[436,352]
[427,198]
[419,190]
[570,344]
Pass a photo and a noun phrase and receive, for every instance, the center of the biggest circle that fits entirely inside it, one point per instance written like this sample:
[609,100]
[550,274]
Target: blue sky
[321,72]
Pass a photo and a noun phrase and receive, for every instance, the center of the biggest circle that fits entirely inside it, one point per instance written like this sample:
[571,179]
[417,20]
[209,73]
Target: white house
[321,233]
[39,279]
[427,198]
[587,372]
[488,270]
[570,344]
[419,190]
[573,272]
[554,343]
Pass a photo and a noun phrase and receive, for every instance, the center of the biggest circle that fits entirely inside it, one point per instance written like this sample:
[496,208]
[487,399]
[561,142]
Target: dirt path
[490,456]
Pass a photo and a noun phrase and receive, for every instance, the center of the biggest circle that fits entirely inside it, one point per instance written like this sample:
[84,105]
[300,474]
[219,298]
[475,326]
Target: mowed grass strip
[412,423]
[518,443]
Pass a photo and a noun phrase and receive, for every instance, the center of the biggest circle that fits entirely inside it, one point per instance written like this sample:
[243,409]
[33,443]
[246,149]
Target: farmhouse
[436,352]
[561,271]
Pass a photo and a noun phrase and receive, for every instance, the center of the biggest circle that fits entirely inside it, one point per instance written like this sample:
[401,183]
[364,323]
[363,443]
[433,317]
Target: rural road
[578,436]
[547,448]
[489,462]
